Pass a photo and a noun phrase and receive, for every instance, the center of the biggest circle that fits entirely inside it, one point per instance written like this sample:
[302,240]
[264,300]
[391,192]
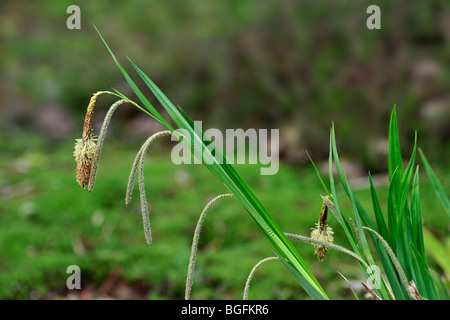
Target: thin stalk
[372,293]
[394,259]
[198,228]
[101,139]
[304,239]
[349,285]
[136,163]
[139,164]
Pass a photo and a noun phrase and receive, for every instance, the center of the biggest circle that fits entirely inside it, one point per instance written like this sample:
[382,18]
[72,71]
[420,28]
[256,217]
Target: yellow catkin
[84,153]
[86,147]
[323,233]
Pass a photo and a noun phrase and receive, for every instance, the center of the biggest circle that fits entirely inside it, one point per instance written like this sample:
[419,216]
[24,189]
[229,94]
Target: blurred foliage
[245,64]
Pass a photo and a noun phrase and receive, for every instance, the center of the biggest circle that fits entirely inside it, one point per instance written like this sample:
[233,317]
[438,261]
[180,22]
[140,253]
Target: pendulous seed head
[84,153]
[86,147]
[322,232]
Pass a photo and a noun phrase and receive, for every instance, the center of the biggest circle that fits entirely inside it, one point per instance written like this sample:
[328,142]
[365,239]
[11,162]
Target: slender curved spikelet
[198,228]
[252,273]
[395,261]
[100,140]
[136,163]
[143,199]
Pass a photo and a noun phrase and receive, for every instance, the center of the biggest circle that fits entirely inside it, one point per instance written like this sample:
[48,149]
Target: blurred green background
[292,65]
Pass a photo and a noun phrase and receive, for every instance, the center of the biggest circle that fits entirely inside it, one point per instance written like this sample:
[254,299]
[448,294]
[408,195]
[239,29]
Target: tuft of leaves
[397,237]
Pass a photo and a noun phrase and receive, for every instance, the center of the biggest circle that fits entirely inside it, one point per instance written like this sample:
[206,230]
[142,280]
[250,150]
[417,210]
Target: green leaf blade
[395,162]
[381,223]
[416,216]
[140,95]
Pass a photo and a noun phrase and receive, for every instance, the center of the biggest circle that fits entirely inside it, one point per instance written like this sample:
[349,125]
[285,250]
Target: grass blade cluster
[398,238]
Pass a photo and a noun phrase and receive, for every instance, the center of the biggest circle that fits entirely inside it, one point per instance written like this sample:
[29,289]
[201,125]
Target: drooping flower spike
[323,233]
[88,148]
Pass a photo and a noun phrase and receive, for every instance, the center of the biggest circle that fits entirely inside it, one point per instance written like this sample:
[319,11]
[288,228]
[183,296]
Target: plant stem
[394,259]
[301,238]
[191,267]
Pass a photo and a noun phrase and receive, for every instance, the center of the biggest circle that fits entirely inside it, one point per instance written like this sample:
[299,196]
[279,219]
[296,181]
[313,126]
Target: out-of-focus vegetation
[48,222]
[292,65]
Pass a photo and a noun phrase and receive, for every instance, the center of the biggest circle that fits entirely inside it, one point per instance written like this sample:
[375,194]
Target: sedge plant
[88,149]
[398,243]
